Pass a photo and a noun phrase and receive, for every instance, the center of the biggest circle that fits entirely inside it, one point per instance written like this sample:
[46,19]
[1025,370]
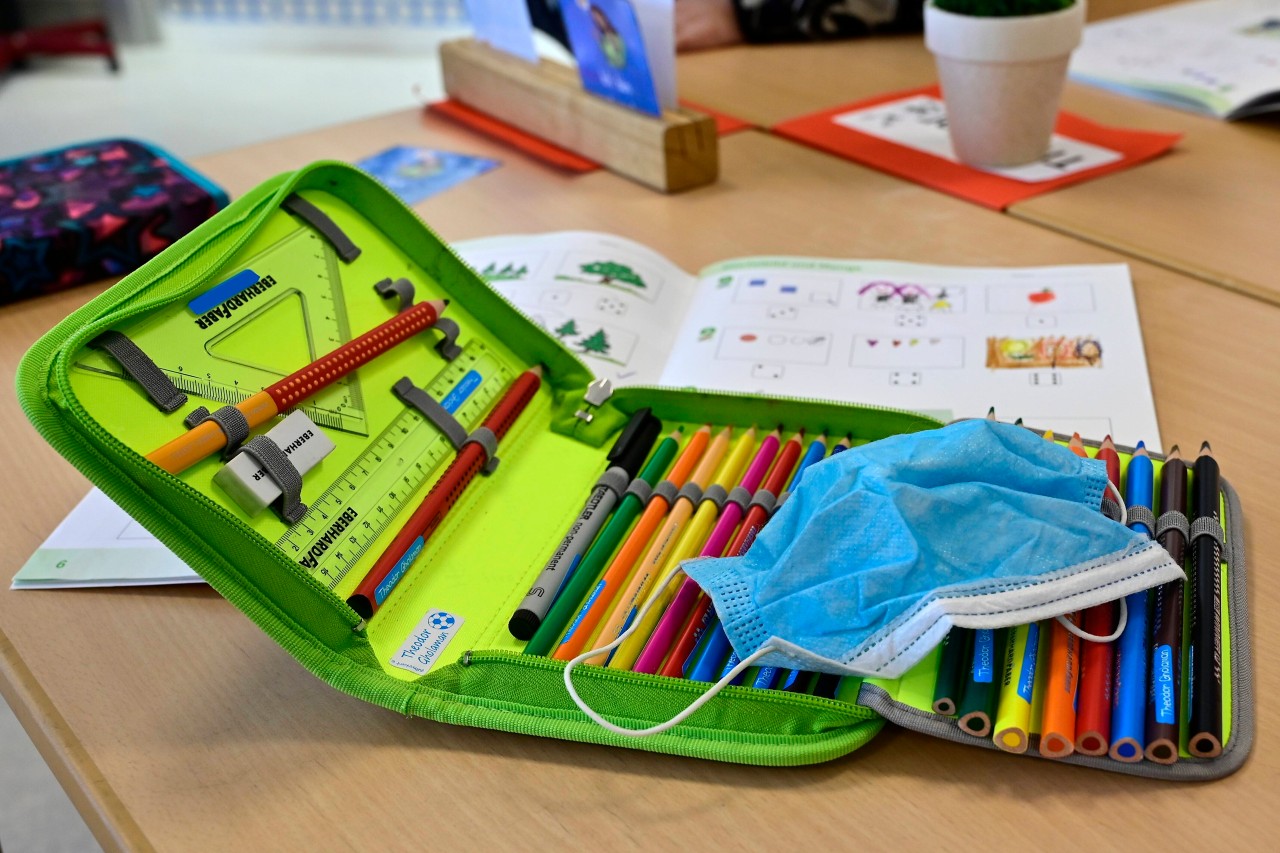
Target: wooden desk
[1208,209]
[175,723]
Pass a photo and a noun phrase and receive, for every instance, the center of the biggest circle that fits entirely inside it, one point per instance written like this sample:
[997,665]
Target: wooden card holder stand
[678,151]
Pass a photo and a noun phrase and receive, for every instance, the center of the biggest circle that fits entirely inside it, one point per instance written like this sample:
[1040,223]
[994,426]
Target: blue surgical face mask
[883,548]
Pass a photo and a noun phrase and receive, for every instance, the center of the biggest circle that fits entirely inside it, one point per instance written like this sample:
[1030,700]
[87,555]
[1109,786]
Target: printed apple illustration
[1044,297]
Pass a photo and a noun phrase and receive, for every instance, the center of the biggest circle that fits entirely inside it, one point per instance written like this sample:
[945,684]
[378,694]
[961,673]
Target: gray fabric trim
[1173,520]
[323,225]
[666,490]
[782,498]
[289,505]
[139,367]
[1111,509]
[614,479]
[229,419]
[739,495]
[764,499]
[692,491]
[1142,515]
[641,489]
[484,437]
[1206,526]
[716,494]
[1234,752]
[430,408]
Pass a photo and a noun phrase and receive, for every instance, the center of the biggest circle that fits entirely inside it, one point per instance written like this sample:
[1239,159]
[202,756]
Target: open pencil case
[287,273]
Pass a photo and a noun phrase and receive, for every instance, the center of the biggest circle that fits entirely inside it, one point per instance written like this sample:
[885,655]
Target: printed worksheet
[1059,347]
[1220,57]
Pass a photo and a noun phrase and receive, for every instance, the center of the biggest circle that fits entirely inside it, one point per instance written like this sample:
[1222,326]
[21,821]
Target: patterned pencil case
[309,261]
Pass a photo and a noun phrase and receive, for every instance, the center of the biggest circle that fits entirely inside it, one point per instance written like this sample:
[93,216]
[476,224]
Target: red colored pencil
[208,438]
[755,518]
[409,542]
[1093,719]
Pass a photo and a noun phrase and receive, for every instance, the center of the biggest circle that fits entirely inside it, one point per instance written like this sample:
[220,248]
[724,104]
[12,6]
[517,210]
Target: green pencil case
[288,273]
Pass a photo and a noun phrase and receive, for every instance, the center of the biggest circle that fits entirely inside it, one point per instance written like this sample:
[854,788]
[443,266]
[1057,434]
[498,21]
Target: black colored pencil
[1165,697]
[1204,654]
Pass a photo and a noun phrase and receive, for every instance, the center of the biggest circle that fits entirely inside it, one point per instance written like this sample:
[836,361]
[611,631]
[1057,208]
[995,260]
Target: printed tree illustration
[610,271]
[597,343]
[569,328]
[508,273]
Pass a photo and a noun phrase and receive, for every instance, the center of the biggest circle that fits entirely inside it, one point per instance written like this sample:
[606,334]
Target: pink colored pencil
[673,619]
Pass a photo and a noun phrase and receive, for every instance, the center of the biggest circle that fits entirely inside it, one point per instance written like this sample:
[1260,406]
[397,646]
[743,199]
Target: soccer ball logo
[442,621]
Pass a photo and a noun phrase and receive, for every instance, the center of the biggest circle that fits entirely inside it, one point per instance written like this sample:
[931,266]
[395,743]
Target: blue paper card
[606,41]
[418,173]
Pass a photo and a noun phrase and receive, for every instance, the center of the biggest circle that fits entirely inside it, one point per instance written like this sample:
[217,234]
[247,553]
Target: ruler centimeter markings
[344,521]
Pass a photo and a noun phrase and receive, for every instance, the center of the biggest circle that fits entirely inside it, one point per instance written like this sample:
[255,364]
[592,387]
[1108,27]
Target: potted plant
[1002,64]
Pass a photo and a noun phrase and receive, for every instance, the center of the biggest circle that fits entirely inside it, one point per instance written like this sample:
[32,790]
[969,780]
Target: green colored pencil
[953,666]
[981,690]
[597,557]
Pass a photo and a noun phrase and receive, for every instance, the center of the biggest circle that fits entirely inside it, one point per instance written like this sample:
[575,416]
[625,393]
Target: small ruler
[359,505]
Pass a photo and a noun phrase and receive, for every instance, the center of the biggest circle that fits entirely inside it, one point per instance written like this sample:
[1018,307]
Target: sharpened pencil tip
[1018,422]
[991,413]
[1174,453]
[1140,445]
[1205,447]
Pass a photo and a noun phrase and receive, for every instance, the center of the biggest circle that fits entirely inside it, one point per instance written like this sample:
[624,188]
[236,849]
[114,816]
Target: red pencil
[1093,720]
[755,518]
[409,542]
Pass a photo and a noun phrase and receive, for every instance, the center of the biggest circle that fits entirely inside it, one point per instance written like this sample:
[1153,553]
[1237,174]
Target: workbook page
[1059,347]
[614,302]
[1217,56]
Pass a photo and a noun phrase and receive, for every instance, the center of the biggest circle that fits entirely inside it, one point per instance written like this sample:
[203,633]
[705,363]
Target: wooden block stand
[678,151]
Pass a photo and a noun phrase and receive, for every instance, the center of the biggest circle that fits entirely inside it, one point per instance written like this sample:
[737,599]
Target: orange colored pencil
[616,576]
[1058,723]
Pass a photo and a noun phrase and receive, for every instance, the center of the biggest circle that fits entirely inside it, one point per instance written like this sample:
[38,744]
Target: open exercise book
[1220,57]
[1059,347]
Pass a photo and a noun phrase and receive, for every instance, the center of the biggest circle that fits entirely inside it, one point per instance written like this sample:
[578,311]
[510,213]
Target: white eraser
[248,483]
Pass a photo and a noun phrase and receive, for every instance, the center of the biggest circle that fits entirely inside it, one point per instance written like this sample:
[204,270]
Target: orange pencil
[615,577]
[647,571]
[1058,724]
[1093,721]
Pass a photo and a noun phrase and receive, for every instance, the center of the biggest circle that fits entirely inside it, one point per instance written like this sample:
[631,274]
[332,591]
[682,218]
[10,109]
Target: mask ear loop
[1124,607]
[678,718]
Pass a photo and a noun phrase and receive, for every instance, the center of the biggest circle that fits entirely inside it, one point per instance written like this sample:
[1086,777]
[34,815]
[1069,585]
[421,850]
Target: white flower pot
[1002,79]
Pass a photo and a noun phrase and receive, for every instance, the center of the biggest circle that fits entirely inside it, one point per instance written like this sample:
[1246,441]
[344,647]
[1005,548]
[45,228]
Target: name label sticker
[427,642]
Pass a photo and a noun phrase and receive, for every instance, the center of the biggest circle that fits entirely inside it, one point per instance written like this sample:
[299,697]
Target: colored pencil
[673,619]
[667,537]
[703,618]
[593,610]
[981,688]
[1129,702]
[1097,660]
[399,556]
[207,438]
[954,662]
[1017,689]
[1204,652]
[591,568]
[1058,723]
[1166,624]
[692,540]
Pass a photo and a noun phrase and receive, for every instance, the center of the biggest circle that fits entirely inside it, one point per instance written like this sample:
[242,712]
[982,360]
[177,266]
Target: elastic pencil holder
[439,646]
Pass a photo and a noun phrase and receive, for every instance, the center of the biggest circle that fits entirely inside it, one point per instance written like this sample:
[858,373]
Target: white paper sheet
[505,25]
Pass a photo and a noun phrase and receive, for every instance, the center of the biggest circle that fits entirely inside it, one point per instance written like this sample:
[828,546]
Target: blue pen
[1129,697]
[717,647]
[768,676]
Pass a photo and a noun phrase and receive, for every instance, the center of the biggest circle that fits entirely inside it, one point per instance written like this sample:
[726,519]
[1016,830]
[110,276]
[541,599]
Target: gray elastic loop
[666,490]
[141,369]
[447,346]
[692,491]
[641,489]
[764,499]
[739,495]
[1206,526]
[716,494]
[401,287]
[278,467]
[1173,520]
[229,419]
[782,498]
[484,437]
[430,408]
[614,479]
[324,226]
[1111,509]
[1142,515]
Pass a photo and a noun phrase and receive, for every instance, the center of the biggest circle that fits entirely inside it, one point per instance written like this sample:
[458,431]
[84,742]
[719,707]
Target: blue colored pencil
[1129,708]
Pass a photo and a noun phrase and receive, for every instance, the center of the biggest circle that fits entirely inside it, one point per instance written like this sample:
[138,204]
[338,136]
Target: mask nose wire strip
[1124,608]
[678,718]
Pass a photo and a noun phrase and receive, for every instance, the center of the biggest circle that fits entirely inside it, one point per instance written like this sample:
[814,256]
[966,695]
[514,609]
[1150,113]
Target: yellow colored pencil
[1017,689]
